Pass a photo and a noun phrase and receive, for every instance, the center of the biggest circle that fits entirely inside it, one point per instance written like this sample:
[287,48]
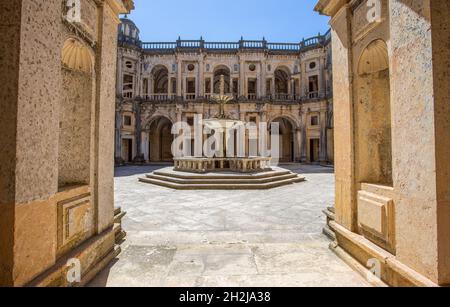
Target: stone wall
[49,118]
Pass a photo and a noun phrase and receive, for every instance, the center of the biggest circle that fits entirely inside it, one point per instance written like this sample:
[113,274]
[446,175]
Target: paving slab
[226,238]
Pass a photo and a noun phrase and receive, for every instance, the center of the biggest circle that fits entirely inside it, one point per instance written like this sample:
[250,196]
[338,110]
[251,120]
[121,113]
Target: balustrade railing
[159,97]
[313,95]
[210,97]
[190,97]
[242,44]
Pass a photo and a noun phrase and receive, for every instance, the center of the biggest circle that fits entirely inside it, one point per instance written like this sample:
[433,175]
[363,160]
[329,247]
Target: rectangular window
[208,86]
[314,120]
[191,86]
[268,87]
[313,84]
[190,121]
[235,87]
[145,86]
[128,86]
[252,86]
[127,120]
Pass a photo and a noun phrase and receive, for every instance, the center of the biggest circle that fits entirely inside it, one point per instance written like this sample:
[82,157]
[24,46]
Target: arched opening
[224,71]
[373,116]
[287,139]
[282,79]
[160,140]
[75,110]
[160,80]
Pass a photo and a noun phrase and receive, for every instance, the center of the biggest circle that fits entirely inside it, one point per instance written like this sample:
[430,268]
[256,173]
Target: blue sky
[227,20]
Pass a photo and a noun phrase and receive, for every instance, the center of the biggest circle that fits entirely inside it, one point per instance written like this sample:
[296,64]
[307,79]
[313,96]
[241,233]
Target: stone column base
[93,256]
[362,254]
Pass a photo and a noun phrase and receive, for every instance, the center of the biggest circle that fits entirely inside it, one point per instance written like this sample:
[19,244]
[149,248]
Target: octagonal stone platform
[170,178]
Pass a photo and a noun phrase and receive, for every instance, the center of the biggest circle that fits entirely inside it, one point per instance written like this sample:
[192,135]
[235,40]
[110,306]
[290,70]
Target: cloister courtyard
[226,238]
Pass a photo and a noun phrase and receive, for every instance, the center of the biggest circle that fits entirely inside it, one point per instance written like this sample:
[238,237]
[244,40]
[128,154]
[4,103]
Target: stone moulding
[393,272]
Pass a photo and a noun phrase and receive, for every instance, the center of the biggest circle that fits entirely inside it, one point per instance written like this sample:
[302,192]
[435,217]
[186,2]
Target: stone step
[181,175]
[224,186]
[222,181]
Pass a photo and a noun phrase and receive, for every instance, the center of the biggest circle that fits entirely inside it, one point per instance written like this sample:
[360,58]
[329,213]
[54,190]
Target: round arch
[374,58]
[288,140]
[76,55]
[160,138]
[160,75]
[282,75]
[218,71]
[373,138]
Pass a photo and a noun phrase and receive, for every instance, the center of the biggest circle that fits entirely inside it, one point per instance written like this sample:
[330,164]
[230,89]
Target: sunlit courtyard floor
[226,238]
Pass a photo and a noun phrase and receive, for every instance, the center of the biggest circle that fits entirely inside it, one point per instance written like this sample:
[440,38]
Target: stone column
[242,91]
[345,203]
[323,135]
[263,78]
[289,86]
[169,85]
[201,77]
[298,143]
[222,84]
[292,87]
[151,86]
[303,145]
[419,47]
[231,85]
[138,132]
[118,137]
[30,57]
[273,92]
[179,78]
[119,80]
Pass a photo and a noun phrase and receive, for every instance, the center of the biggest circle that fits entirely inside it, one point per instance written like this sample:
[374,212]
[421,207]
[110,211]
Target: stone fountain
[224,170]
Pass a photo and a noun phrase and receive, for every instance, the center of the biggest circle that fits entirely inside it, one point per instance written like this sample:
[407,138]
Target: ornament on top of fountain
[222,99]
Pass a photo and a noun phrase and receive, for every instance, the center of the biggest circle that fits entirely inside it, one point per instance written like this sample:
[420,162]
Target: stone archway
[224,71]
[160,140]
[288,140]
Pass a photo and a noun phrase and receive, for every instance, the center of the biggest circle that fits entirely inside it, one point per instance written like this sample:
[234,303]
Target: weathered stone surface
[49,129]
[408,152]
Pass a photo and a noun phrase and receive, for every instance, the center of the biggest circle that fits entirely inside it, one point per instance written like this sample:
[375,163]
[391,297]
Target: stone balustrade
[205,165]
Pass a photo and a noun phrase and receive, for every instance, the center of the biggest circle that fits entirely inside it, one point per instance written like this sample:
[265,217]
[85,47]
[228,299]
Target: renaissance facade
[161,83]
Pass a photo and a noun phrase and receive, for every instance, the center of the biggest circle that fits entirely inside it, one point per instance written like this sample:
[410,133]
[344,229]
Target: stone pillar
[169,85]
[151,85]
[303,145]
[118,137]
[420,60]
[119,80]
[273,92]
[179,78]
[201,77]
[242,91]
[263,79]
[297,145]
[323,135]
[222,85]
[138,132]
[289,86]
[345,202]
[231,85]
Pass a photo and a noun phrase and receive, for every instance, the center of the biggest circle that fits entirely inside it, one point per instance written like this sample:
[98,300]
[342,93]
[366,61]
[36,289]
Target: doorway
[127,150]
[314,147]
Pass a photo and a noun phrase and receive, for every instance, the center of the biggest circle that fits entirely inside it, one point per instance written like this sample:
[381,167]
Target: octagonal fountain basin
[224,180]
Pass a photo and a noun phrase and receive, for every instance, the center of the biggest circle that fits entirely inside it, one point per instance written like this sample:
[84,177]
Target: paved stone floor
[226,238]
